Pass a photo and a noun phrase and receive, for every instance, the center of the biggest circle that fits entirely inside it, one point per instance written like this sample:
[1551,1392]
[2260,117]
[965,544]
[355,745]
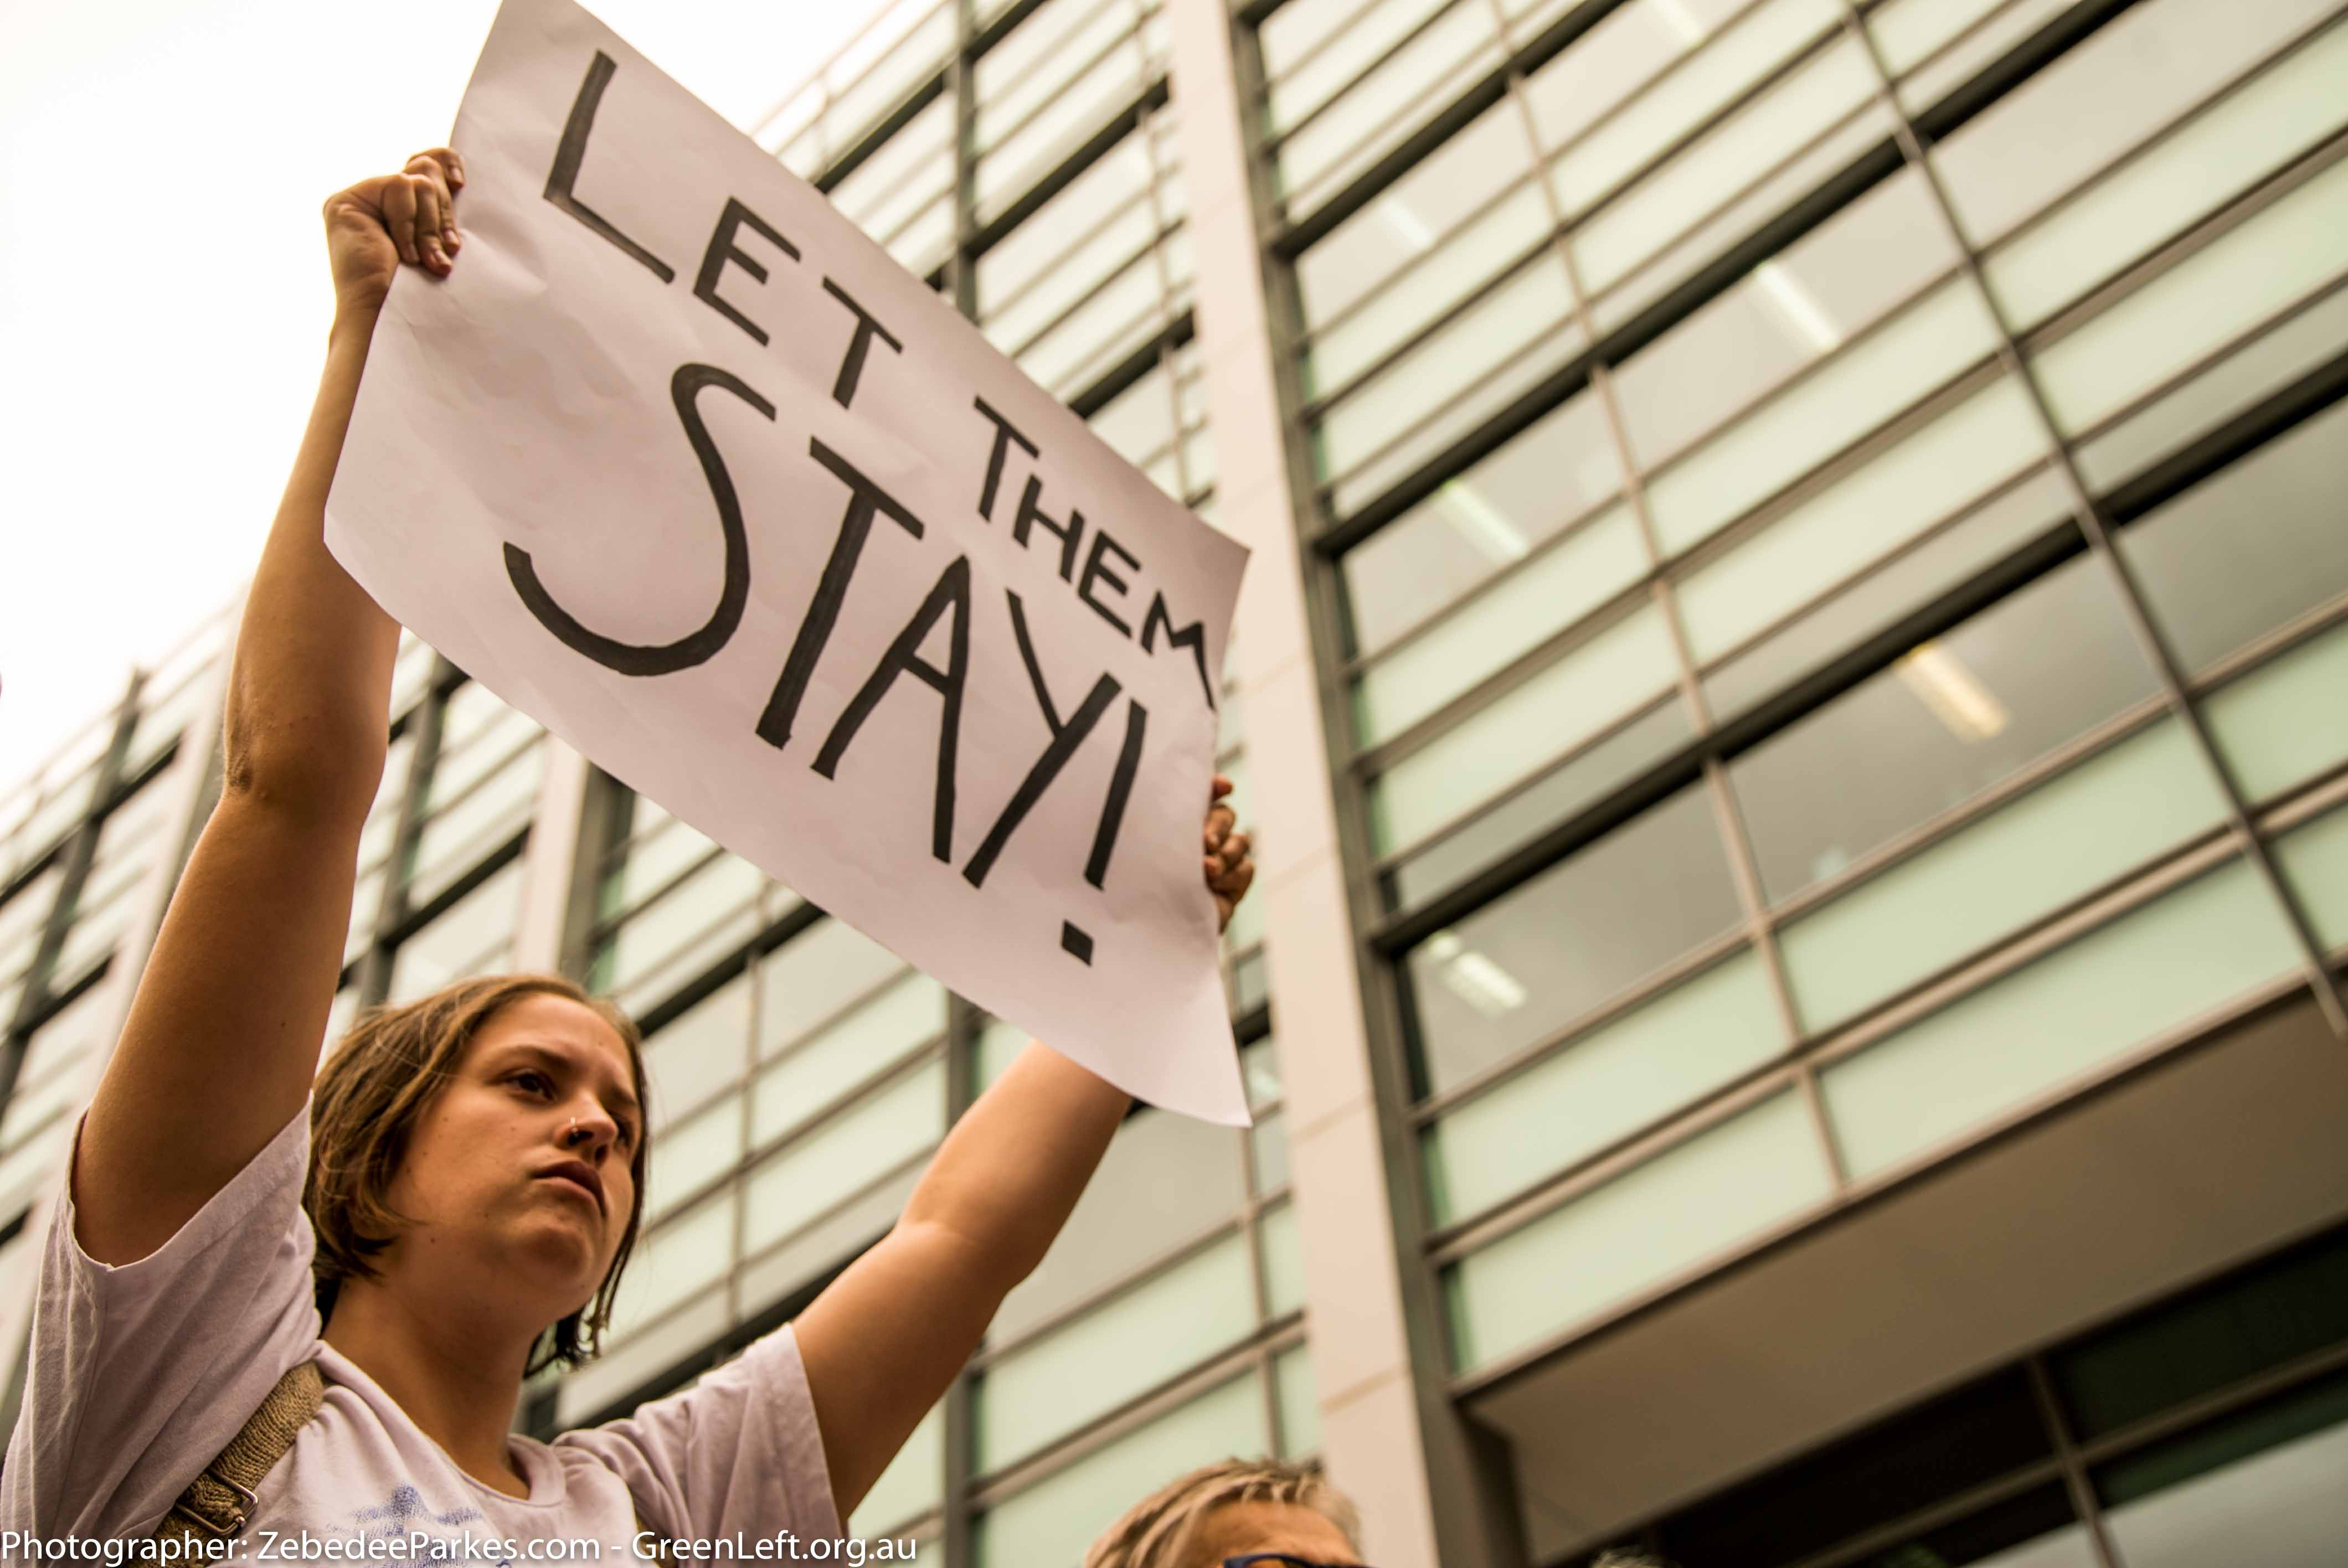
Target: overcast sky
[163,293]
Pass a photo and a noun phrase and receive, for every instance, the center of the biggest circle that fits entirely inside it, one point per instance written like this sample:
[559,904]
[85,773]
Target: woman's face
[518,1175]
[1238,1529]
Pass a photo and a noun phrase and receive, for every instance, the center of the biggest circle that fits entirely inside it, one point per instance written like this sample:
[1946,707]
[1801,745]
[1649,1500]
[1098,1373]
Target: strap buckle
[239,1517]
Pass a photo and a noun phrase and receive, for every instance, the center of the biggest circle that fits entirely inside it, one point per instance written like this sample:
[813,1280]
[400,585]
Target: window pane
[1530,309]
[1685,1204]
[1728,64]
[1113,1353]
[1551,799]
[1053,1522]
[1947,1446]
[1803,303]
[708,912]
[2101,101]
[2219,292]
[2067,837]
[2060,1017]
[876,1036]
[1742,147]
[698,1052]
[2261,1489]
[814,978]
[1443,272]
[2207,1340]
[1950,551]
[676,1263]
[1482,522]
[1393,99]
[1925,346]
[1284,1260]
[459,942]
[1946,721]
[2249,549]
[1517,970]
[1402,226]
[1538,600]
[1599,681]
[2315,862]
[689,1155]
[1621,55]
[2280,351]
[1623,1075]
[856,1147]
[913,1483]
[1874,510]
[1166,1178]
[1299,1403]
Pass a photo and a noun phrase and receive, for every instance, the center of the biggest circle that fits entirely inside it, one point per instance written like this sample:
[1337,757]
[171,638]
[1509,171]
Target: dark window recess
[1998,1528]
[1921,1456]
[2209,1339]
[2227,1440]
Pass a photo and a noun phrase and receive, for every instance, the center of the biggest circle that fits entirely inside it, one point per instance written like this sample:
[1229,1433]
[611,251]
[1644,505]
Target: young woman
[472,1161]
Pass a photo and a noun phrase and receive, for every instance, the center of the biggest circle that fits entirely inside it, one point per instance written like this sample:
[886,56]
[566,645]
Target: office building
[1791,684]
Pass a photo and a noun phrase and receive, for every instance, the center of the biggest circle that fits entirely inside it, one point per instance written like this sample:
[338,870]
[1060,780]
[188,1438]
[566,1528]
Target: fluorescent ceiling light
[1483,523]
[1675,13]
[1956,697]
[1473,978]
[1798,305]
[1403,221]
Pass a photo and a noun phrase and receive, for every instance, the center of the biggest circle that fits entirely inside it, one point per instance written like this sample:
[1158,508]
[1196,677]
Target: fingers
[1219,823]
[398,204]
[437,224]
[1229,879]
[1218,789]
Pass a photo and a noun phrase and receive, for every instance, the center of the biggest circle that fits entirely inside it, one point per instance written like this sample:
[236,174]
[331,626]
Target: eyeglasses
[1278,1560]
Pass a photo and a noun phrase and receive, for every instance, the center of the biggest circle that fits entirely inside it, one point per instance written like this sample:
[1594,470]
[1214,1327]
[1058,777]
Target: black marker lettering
[1063,745]
[722,249]
[864,499]
[1027,656]
[627,658]
[1070,534]
[867,329]
[1004,436]
[1097,571]
[1121,789]
[904,658]
[1192,637]
[572,151]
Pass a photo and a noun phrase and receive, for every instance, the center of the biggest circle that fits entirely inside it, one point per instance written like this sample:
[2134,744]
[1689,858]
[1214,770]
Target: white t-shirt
[141,1375]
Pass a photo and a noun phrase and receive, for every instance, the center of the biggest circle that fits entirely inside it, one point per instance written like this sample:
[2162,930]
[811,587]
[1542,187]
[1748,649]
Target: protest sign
[683,466]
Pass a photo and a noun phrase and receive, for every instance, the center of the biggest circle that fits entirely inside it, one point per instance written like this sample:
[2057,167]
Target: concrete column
[548,861]
[1370,1417]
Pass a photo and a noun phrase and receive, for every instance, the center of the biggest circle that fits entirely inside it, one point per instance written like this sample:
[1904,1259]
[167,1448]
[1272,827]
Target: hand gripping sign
[685,467]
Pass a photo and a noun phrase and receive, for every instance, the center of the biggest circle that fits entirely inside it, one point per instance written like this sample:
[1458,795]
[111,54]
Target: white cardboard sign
[681,465]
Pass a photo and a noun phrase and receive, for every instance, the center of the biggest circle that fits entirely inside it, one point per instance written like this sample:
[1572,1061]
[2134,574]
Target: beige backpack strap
[219,1503]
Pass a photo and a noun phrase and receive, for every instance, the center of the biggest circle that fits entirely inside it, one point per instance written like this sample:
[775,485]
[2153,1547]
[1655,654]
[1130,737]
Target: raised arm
[222,1037]
[886,1339]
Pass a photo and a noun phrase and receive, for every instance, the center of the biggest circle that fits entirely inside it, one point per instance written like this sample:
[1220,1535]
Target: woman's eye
[536,1082]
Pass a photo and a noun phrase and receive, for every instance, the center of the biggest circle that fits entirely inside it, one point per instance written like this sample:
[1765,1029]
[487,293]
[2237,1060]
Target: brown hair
[382,1077]
[1160,1530]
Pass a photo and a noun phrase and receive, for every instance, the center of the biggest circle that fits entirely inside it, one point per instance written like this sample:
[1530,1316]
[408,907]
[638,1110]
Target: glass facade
[1821,529]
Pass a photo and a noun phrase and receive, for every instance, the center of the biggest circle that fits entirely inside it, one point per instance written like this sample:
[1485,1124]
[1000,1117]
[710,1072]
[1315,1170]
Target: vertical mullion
[1744,866]
[962,84]
[2097,527]
[964,1022]
[2075,1482]
[423,761]
[75,860]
